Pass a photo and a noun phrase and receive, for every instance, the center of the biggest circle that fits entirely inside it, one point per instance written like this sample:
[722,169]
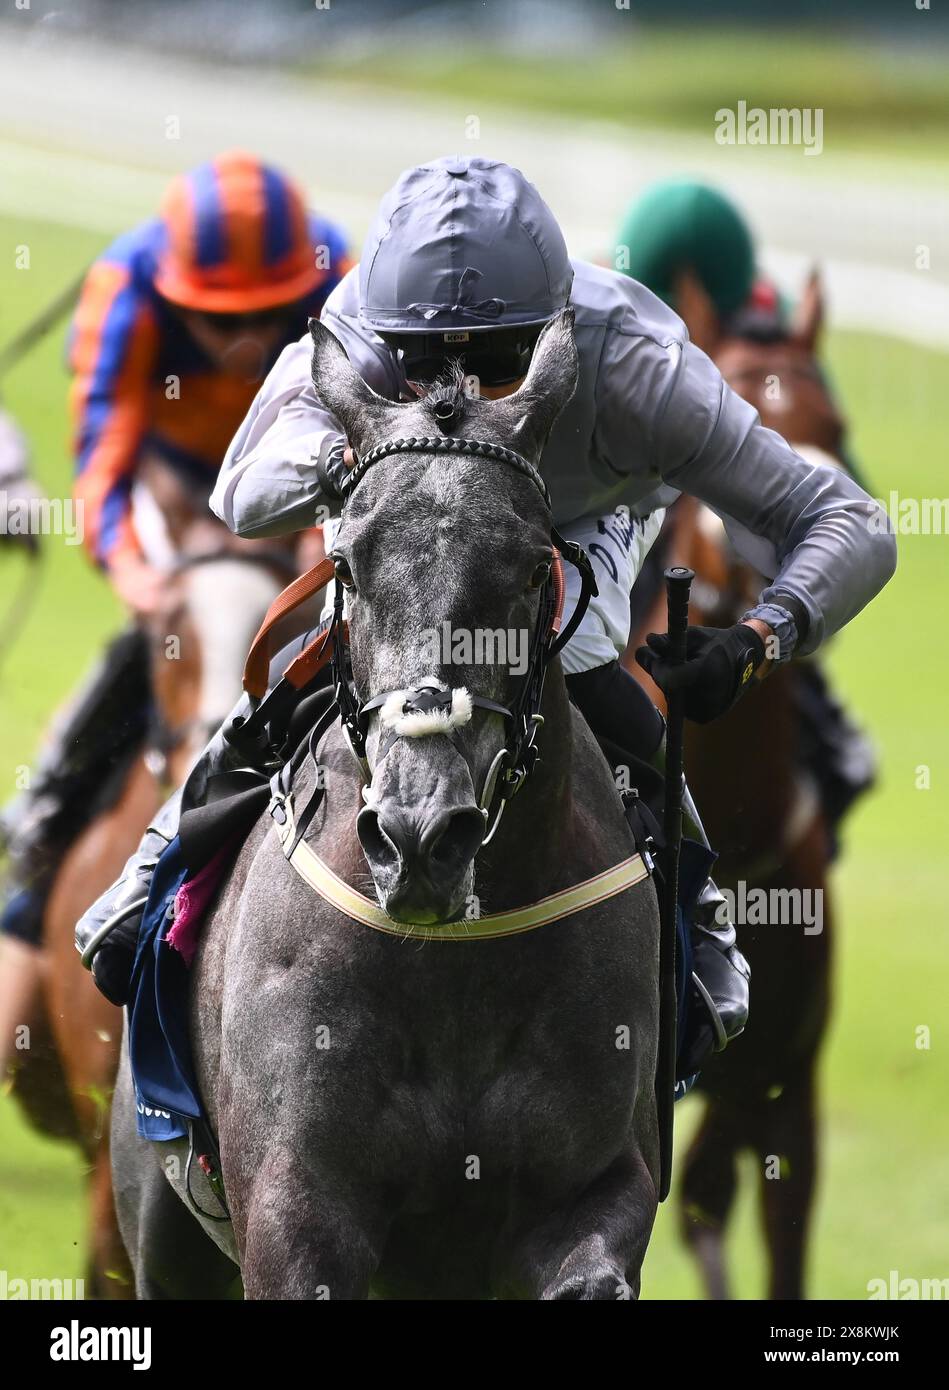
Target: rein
[18,610]
[273,558]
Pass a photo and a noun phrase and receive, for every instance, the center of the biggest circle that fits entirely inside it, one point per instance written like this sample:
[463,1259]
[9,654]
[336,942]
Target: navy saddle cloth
[166,1091]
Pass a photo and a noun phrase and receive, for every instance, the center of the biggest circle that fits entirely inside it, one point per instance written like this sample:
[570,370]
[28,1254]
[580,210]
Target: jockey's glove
[720,665]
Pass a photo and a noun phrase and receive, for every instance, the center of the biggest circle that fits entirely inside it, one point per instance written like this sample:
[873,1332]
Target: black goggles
[498,357]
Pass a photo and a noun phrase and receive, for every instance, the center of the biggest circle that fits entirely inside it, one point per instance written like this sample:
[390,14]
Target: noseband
[515,760]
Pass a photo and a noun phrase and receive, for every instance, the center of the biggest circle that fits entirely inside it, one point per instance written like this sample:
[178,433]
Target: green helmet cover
[680,224]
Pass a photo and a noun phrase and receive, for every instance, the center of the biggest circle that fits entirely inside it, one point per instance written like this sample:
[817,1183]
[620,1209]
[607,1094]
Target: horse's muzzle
[422,863]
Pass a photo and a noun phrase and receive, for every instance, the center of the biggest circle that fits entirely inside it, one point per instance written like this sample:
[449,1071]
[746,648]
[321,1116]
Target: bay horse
[399,1115]
[218,589]
[763,815]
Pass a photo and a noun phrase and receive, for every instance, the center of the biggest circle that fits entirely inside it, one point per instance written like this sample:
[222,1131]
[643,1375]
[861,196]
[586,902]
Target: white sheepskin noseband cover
[419,723]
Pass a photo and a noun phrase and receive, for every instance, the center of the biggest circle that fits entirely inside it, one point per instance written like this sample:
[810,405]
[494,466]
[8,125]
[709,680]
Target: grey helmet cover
[462,245]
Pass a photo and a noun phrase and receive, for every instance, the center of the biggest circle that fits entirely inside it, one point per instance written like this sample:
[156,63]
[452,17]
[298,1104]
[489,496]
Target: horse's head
[445,557]
[216,601]
[772,365]
[775,367]
[218,588]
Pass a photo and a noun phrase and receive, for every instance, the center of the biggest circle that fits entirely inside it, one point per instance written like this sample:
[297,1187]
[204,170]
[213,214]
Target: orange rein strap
[257,666]
[560,592]
[314,657]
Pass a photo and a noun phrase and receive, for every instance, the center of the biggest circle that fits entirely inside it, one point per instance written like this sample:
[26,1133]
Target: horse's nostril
[455,840]
[378,847]
[446,843]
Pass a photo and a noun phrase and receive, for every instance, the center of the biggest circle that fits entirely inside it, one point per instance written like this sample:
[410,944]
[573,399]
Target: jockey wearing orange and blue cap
[178,323]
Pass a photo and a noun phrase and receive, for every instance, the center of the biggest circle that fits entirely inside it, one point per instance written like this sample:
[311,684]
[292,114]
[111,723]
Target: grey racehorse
[425,1118]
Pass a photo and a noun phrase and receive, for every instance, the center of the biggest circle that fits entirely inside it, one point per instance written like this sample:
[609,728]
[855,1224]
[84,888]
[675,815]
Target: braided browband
[442,444]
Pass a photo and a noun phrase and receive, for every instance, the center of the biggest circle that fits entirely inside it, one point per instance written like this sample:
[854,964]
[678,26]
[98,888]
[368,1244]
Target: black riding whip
[678,585]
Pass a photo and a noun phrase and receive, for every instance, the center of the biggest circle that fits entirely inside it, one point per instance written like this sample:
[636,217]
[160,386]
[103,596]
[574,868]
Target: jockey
[466,260]
[177,324]
[690,246]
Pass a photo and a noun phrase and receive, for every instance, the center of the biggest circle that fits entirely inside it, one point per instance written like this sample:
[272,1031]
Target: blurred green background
[882,97]
[884,1191]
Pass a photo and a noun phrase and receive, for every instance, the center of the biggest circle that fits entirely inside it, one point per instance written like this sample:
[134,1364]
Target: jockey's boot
[107,934]
[720,973]
[81,770]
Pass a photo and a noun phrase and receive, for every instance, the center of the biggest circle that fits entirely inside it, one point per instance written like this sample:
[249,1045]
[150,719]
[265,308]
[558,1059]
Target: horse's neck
[741,770]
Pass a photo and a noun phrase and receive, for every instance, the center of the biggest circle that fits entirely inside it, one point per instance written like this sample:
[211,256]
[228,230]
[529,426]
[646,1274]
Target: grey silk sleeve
[270,480]
[807,527]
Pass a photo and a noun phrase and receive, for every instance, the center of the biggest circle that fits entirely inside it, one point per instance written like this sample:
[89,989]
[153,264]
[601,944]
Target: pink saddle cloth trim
[191,903]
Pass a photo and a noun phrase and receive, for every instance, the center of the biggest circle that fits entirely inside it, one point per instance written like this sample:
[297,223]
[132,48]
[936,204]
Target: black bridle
[516,758]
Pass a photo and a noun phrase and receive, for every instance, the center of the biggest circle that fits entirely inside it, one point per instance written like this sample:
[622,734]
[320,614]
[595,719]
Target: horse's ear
[342,391]
[696,309]
[550,382]
[808,317]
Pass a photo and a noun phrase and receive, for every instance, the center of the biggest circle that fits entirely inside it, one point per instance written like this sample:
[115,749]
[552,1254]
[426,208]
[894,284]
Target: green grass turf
[886,97]
[885,1190]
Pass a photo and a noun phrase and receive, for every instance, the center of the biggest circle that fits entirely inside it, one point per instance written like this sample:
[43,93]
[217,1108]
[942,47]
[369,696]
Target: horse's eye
[541,574]
[343,573]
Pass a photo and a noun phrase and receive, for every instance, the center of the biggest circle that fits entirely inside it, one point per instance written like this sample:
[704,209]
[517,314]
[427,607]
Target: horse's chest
[449,1063]
[497,1077]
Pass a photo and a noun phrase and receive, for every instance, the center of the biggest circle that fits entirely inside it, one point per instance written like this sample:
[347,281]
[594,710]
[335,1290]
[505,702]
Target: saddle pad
[166,1091]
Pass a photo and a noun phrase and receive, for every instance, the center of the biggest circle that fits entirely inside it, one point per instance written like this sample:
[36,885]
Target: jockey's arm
[112,349]
[277,473]
[824,543]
